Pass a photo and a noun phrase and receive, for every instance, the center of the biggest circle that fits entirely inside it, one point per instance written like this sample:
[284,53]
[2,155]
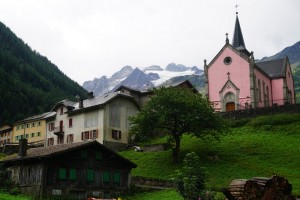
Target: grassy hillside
[262,147]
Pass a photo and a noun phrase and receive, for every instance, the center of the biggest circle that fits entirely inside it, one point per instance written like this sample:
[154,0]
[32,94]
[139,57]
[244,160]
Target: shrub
[190,180]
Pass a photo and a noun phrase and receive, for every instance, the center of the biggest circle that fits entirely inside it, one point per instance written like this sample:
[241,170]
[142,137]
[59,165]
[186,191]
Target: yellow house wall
[34,132]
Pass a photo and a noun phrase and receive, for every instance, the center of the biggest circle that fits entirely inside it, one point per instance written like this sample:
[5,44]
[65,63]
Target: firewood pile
[258,188]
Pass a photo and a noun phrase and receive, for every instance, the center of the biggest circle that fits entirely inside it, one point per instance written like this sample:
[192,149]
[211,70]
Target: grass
[262,147]
[4,196]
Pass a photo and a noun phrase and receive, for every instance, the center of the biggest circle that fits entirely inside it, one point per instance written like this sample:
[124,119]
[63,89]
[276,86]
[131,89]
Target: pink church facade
[234,81]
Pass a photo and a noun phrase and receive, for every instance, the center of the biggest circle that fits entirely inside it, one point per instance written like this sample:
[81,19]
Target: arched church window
[227,60]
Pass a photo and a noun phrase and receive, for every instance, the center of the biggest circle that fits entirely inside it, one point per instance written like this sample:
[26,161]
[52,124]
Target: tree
[190,180]
[175,111]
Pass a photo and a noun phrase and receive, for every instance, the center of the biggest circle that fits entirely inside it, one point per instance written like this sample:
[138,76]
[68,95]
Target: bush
[15,191]
[190,180]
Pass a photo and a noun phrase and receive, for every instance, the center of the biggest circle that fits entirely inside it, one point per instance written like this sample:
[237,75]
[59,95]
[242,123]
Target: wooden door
[230,106]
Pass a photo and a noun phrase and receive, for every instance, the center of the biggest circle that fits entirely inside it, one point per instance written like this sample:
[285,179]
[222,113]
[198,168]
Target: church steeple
[238,39]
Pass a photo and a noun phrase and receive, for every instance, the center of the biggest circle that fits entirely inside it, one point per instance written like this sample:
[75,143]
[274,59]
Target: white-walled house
[103,118]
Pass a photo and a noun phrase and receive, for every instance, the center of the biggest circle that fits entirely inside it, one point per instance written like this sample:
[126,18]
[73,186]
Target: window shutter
[90,175]
[105,176]
[117,177]
[91,134]
[81,135]
[62,173]
[119,134]
[72,174]
[96,133]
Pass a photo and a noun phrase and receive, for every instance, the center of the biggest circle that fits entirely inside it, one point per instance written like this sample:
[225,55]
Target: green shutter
[98,155]
[117,177]
[105,176]
[62,173]
[72,174]
[83,154]
[90,175]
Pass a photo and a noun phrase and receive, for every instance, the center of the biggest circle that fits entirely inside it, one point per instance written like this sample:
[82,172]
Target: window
[117,178]
[32,134]
[27,125]
[61,110]
[105,177]
[98,155]
[227,60]
[26,135]
[85,135]
[83,154]
[33,124]
[38,134]
[116,134]
[62,173]
[90,175]
[70,138]
[60,140]
[51,126]
[70,122]
[50,141]
[39,123]
[95,134]
[73,174]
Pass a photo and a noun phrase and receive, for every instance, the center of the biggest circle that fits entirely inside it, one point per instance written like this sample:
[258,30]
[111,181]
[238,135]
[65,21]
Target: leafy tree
[191,178]
[175,111]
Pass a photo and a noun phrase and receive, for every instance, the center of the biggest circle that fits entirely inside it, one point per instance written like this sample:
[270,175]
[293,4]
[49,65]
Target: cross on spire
[236,7]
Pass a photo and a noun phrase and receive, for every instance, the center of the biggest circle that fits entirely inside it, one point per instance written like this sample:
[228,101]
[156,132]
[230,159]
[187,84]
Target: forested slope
[29,83]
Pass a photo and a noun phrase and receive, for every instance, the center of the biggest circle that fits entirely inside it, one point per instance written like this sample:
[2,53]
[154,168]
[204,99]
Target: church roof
[274,68]
[238,39]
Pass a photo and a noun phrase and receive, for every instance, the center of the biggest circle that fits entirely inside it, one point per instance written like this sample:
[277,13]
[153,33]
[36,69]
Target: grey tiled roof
[274,68]
[37,117]
[100,100]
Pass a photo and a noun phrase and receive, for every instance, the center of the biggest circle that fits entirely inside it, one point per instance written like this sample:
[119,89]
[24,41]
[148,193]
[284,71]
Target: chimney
[91,95]
[22,147]
[80,103]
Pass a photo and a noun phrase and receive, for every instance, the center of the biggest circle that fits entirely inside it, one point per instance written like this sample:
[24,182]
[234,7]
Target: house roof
[67,103]
[180,83]
[100,100]
[51,151]
[274,68]
[37,117]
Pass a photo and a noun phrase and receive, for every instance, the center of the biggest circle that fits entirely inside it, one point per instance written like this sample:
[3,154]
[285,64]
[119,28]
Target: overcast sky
[91,38]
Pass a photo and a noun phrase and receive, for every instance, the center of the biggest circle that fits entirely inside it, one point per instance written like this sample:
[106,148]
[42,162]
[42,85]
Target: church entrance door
[230,106]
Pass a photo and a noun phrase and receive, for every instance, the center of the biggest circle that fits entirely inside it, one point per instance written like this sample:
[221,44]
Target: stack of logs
[274,188]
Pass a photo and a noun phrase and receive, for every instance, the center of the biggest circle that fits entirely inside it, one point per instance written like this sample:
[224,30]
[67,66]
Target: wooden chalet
[75,171]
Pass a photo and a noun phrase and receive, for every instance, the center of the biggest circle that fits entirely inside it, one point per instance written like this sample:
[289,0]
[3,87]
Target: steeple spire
[238,39]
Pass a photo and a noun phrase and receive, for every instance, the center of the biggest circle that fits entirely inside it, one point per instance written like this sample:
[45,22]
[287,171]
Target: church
[235,81]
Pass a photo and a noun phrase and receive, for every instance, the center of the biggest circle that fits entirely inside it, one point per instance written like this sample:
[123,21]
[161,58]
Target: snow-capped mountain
[143,79]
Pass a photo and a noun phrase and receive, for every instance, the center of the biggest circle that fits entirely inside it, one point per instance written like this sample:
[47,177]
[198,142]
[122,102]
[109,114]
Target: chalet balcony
[59,131]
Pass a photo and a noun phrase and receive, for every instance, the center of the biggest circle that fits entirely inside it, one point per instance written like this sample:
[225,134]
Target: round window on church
[227,60]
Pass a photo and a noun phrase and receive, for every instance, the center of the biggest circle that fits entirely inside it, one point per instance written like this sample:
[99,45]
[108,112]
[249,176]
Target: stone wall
[251,113]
